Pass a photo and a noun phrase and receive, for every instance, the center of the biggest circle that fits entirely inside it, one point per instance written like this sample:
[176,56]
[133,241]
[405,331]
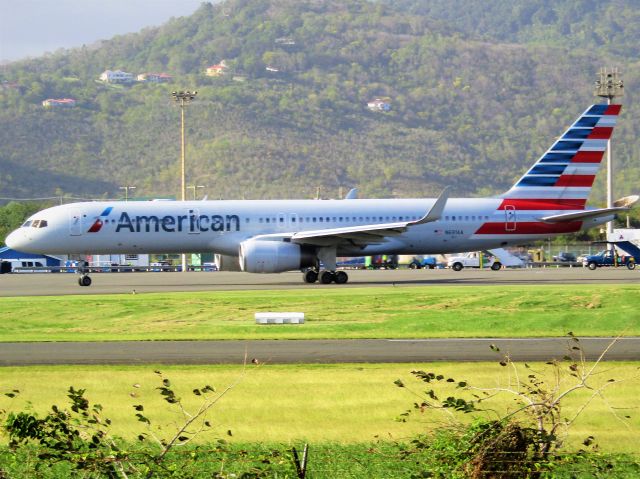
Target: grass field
[341,404]
[420,312]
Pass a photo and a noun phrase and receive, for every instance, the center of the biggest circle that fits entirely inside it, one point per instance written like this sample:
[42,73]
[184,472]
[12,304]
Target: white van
[26,265]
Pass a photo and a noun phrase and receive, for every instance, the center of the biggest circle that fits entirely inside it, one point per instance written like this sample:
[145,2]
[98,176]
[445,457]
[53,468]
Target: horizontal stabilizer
[583,215]
[352,195]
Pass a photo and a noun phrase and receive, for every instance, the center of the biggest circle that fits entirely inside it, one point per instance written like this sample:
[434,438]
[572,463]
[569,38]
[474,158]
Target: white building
[154,78]
[379,104]
[59,102]
[117,76]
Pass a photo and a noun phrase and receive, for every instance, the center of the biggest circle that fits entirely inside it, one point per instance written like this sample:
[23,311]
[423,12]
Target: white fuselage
[220,226]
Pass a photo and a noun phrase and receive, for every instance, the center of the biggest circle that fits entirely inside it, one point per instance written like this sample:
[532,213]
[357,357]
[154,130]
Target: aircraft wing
[368,234]
[361,234]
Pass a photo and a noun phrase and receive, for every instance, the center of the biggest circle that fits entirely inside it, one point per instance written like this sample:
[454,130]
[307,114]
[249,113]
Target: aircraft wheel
[84,280]
[413,266]
[327,277]
[341,277]
[592,266]
[457,266]
[310,276]
[496,266]
[631,265]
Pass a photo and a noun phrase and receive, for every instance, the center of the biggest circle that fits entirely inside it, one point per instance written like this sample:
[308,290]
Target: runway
[310,351]
[56,284]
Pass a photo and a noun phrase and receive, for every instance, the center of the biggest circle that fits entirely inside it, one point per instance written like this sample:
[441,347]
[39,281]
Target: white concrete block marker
[279,318]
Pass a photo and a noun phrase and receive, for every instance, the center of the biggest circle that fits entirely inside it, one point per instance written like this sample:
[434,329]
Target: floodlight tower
[183,98]
[609,85]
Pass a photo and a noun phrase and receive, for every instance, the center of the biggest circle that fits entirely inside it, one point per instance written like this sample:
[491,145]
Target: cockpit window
[37,223]
[26,224]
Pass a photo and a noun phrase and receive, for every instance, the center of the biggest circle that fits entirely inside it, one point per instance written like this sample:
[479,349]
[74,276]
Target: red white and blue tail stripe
[562,178]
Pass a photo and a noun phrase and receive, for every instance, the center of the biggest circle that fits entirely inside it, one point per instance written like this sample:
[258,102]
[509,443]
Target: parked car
[426,262]
[565,257]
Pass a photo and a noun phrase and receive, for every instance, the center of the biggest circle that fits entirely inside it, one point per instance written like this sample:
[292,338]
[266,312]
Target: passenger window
[293,219]
[321,219]
[453,218]
[281,220]
[267,220]
[314,219]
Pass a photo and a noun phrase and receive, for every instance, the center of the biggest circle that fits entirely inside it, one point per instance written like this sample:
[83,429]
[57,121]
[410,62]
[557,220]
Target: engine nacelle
[258,256]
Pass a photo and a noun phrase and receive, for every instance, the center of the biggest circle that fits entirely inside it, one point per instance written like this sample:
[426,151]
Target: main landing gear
[326,277]
[84,280]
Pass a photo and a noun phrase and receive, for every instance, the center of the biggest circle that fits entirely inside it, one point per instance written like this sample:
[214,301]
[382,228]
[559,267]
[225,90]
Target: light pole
[609,86]
[183,98]
[126,189]
[193,188]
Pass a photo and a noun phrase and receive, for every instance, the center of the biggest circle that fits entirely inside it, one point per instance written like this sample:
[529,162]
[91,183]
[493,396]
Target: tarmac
[56,284]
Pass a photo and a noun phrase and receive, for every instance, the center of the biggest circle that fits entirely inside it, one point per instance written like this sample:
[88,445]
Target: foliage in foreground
[525,442]
[372,460]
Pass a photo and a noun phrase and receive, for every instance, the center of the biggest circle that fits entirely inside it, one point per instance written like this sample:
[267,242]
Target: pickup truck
[606,258]
[472,260]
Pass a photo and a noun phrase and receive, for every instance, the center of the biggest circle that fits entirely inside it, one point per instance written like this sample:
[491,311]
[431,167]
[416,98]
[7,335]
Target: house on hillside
[218,70]
[154,78]
[9,85]
[59,103]
[117,76]
[380,104]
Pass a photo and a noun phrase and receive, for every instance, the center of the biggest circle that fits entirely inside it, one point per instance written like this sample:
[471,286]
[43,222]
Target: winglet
[352,195]
[435,213]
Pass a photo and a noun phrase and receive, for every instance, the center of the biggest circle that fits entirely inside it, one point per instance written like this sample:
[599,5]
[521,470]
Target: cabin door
[510,218]
[75,222]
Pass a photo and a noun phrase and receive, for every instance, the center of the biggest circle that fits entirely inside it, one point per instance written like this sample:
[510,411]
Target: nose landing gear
[84,280]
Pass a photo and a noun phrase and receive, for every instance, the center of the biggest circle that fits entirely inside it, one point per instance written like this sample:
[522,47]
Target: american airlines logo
[97,225]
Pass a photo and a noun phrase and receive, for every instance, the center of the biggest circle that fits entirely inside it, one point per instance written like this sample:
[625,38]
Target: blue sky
[33,27]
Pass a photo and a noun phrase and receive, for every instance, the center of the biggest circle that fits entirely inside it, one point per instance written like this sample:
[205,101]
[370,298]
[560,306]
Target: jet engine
[258,256]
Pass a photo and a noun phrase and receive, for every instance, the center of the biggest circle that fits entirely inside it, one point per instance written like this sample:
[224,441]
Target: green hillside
[472,105]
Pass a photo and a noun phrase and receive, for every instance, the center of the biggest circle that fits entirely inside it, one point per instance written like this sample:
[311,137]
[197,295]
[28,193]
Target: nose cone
[16,240]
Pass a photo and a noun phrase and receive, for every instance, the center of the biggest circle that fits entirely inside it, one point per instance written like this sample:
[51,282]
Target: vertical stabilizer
[562,178]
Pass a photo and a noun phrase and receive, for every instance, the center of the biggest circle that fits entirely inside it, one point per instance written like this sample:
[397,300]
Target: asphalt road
[310,351]
[56,284]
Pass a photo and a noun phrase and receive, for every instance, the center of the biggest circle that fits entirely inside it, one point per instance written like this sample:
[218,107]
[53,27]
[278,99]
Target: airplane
[273,236]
